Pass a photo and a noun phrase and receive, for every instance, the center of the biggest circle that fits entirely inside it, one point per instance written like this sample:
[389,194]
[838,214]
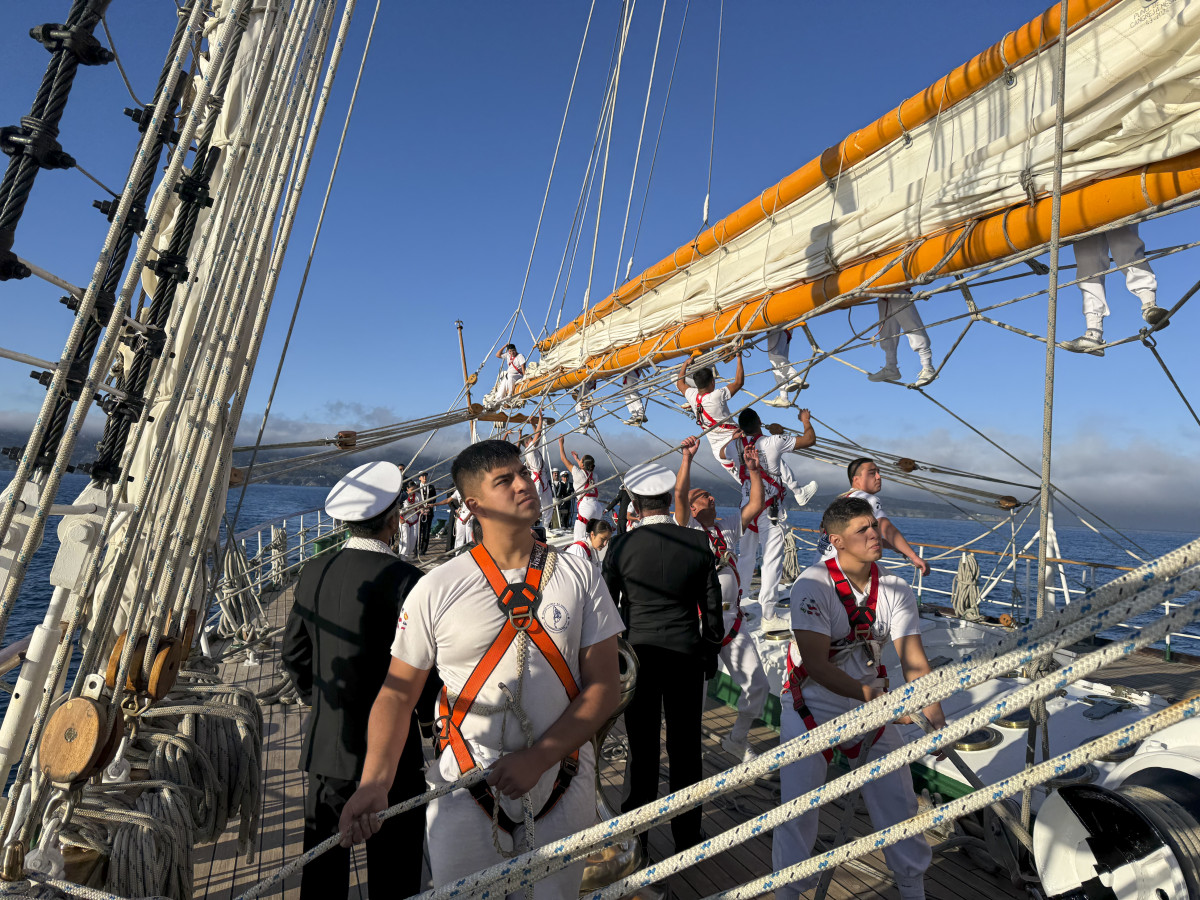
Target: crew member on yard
[462,619]
[335,650]
[843,611]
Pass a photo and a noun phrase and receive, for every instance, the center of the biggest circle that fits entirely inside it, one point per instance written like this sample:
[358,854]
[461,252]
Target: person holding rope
[335,650]
[587,495]
[843,611]
[525,640]
[866,481]
[599,533]
[535,460]
[664,579]
[710,406]
[697,508]
[767,528]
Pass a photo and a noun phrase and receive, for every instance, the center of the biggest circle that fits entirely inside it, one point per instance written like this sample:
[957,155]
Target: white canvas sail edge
[1132,99]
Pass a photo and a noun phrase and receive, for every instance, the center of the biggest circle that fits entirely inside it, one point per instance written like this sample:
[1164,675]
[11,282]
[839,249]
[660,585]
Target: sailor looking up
[599,533]
[767,528]
[899,314]
[710,406]
[866,481]
[843,610]
[460,619]
[697,508]
[659,574]
[335,650]
[587,495]
[534,455]
[1092,258]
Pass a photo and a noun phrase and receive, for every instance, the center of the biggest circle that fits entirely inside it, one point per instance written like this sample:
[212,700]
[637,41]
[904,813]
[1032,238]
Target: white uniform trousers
[633,400]
[901,315]
[1091,256]
[778,351]
[588,508]
[718,438]
[889,799]
[407,543]
[462,532]
[459,833]
[742,663]
[770,536]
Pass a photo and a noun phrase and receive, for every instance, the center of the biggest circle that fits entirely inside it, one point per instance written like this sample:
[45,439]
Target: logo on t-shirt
[554,617]
[402,621]
[809,608]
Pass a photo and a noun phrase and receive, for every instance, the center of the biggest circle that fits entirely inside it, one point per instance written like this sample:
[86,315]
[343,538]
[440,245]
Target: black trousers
[394,855]
[672,682]
[423,541]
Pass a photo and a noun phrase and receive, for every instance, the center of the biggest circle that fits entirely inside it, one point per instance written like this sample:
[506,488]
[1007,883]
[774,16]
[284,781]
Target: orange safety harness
[775,491]
[862,619]
[725,557]
[519,603]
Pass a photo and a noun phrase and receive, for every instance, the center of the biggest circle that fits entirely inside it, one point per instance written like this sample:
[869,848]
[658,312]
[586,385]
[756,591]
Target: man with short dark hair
[509,612]
[335,650]
[587,495]
[865,483]
[843,611]
[710,405]
[658,574]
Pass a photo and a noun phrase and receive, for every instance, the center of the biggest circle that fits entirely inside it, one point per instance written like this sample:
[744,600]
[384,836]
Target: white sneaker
[887,373]
[926,375]
[738,749]
[1152,314]
[637,419]
[781,402]
[796,386]
[805,493]
[1091,342]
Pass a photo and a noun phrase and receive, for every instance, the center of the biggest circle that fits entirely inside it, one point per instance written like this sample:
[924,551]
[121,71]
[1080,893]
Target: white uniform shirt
[716,404]
[770,448]
[726,574]
[580,480]
[514,366]
[817,607]
[535,462]
[451,618]
[586,552]
[824,547]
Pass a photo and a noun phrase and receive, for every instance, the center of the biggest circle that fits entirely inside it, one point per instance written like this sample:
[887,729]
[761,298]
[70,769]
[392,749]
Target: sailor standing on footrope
[710,406]
[510,602]
[865,483]
[843,611]
[787,379]
[664,577]
[587,495]
[335,650]
[767,528]
[698,508]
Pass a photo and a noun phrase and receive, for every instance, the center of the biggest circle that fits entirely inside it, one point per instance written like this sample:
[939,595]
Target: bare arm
[516,773]
[758,498]
[562,452]
[681,381]
[387,732]
[683,481]
[914,663]
[892,537]
[814,650]
[739,375]
[809,437]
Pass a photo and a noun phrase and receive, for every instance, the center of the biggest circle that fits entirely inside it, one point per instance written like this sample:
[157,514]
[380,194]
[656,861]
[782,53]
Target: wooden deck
[219,874]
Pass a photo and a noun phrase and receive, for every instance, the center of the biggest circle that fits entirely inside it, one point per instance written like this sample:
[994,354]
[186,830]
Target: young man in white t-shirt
[766,530]
[833,668]
[587,495]
[710,406]
[866,481]
[452,622]
[697,508]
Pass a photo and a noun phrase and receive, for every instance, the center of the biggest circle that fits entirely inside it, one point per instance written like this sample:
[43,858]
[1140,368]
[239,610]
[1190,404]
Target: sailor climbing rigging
[587,496]
[710,405]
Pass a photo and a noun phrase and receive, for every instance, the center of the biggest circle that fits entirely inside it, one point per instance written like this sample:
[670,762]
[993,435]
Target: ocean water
[266,502]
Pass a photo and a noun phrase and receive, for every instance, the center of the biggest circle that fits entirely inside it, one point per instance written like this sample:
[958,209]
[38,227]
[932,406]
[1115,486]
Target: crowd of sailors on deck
[505,656]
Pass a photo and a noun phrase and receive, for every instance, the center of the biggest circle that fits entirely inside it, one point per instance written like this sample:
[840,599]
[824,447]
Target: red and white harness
[519,602]
[590,491]
[587,548]
[774,490]
[862,620]
[705,420]
[725,558]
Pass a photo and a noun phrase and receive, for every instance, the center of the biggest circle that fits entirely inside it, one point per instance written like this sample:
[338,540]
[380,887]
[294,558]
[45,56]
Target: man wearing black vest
[426,493]
[336,649]
[659,573]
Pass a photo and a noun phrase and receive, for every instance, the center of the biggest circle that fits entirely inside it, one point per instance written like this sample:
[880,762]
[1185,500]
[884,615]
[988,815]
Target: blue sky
[436,204]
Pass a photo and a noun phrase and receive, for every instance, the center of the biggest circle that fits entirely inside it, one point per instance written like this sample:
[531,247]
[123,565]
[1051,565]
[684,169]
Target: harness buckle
[570,766]
[520,602]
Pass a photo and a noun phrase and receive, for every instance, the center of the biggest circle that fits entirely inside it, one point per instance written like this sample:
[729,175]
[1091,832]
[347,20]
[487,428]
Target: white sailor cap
[364,492]
[649,480]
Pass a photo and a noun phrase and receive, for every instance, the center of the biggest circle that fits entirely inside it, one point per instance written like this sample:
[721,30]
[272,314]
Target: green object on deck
[333,541]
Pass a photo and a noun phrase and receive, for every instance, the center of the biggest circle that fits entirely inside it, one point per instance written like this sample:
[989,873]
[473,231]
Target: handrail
[242,535]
